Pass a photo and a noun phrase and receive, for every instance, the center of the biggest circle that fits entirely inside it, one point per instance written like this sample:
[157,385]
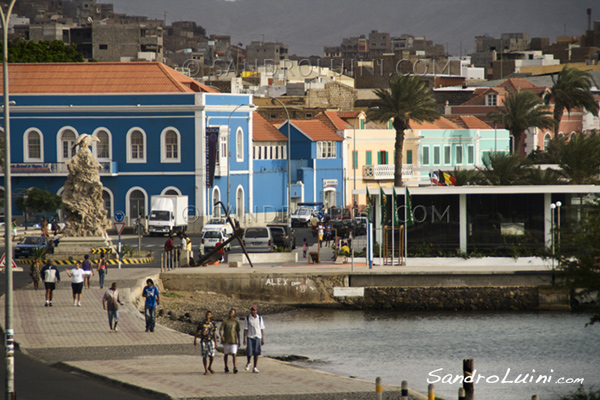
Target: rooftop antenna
[589,14]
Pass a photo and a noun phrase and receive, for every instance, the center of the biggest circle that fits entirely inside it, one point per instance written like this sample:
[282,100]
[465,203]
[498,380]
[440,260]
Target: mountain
[306,26]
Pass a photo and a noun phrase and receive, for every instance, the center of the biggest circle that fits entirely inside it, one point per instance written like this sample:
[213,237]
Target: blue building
[151,122]
[317,163]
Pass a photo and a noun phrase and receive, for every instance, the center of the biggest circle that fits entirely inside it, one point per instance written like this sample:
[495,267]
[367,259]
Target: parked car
[212,237]
[31,245]
[258,239]
[302,216]
[218,223]
[283,236]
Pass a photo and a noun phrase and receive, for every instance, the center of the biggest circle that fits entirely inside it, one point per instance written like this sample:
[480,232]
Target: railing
[385,171]
[54,168]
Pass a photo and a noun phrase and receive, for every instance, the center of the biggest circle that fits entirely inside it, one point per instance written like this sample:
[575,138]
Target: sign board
[119,216]
[119,226]
[330,182]
[3,262]
[349,291]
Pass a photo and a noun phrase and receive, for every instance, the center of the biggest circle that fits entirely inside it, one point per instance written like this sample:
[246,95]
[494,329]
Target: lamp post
[229,150]
[552,208]
[354,167]
[558,206]
[8,328]
[289,163]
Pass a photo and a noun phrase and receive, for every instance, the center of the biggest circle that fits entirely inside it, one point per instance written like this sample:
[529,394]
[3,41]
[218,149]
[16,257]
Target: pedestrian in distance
[152,296]
[230,338]
[304,247]
[254,337]
[207,330]
[55,227]
[87,266]
[51,277]
[111,302]
[34,273]
[14,229]
[77,276]
[169,251]
[320,230]
[102,270]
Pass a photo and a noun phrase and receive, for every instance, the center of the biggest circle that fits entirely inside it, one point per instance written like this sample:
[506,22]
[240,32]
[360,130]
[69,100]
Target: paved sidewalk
[164,362]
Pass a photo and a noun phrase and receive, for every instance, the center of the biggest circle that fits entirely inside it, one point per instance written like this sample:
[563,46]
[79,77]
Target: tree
[408,98]
[504,169]
[580,158]
[571,90]
[521,111]
[579,252]
[39,200]
[27,51]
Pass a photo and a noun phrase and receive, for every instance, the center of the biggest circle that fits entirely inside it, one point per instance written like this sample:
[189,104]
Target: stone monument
[83,207]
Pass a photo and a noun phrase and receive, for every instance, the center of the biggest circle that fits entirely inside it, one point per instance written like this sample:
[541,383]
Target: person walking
[230,338]
[169,251]
[102,270]
[87,266]
[51,277]
[254,337]
[320,231]
[208,337]
[34,273]
[304,247]
[77,276]
[55,227]
[110,302]
[14,229]
[44,227]
[152,296]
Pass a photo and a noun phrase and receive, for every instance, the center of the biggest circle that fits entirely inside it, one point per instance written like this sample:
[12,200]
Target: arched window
[107,202]
[136,146]
[103,147]
[239,203]
[34,149]
[66,141]
[137,204]
[172,192]
[239,145]
[170,146]
[547,139]
[216,197]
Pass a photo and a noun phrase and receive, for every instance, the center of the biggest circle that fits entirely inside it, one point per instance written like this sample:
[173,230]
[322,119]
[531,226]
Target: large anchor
[213,255]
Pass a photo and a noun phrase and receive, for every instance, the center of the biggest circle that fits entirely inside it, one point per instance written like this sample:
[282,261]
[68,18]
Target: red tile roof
[440,123]
[263,131]
[127,77]
[316,130]
[510,85]
[333,121]
[468,121]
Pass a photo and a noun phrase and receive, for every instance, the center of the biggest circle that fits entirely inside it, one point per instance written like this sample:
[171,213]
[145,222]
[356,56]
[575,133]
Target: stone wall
[446,299]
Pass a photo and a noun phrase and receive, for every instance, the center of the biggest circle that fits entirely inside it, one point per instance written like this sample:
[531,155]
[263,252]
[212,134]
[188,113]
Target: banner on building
[212,141]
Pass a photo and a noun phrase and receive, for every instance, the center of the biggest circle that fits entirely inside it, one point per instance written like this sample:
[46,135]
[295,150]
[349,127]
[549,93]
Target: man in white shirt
[254,336]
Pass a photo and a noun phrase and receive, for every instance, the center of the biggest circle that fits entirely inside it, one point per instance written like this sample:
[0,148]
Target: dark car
[343,227]
[283,236]
[31,245]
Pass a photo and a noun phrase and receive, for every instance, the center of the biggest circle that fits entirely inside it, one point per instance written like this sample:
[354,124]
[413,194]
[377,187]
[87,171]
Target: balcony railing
[385,172]
[107,168]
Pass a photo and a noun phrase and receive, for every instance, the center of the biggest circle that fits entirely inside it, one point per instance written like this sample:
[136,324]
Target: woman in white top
[77,274]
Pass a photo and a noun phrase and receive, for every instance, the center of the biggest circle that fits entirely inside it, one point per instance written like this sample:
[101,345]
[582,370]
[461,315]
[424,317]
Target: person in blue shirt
[151,294]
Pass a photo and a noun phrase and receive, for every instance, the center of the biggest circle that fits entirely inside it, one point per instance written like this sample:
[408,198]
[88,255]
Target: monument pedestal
[77,247]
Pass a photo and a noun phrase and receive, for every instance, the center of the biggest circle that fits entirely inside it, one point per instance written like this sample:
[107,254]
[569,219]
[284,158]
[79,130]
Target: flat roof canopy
[513,189]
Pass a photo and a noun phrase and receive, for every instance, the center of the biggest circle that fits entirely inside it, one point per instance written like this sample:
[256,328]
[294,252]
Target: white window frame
[240,211]
[59,143]
[112,201]
[326,149]
[130,159]
[547,139]
[423,155]
[26,157]
[436,148]
[459,150]
[95,144]
[163,146]
[239,145]
[128,201]
[471,154]
[491,99]
[447,152]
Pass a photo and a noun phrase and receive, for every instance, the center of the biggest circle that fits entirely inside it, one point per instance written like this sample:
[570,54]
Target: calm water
[410,346]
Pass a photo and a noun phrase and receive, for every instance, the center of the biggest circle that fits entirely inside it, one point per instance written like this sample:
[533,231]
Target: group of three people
[229,332]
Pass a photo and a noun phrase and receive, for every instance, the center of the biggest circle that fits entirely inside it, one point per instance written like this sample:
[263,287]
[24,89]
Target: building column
[548,220]
[463,227]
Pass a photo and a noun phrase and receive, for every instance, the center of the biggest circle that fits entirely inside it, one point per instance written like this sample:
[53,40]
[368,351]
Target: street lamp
[558,205]
[289,163]
[552,208]
[8,328]
[228,148]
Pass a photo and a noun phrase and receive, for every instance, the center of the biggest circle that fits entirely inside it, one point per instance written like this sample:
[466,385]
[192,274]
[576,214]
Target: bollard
[430,392]
[162,263]
[535,397]
[461,394]
[468,368]
[378,389]
[404,390]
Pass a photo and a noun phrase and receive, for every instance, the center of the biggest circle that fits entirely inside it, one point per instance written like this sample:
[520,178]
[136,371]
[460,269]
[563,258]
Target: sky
[306,26]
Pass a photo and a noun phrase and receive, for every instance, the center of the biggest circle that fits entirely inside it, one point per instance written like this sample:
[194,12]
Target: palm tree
[521,111]
[408,98]
[571,90]
[504,169]
[580,159]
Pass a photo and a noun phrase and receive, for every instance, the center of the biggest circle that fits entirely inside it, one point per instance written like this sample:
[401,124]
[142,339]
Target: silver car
[258,239]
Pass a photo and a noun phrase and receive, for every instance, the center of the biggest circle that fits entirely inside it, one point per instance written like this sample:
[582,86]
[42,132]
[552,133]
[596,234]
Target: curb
[144,260]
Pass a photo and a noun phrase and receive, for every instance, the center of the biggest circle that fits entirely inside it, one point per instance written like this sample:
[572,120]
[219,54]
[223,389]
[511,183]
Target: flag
[447,179]
[368,197]
[395,205]
[433,176]
[384,206]
[369,201]
[409,215]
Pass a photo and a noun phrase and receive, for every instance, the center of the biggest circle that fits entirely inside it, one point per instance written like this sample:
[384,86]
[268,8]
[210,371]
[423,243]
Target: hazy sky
[306,26]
